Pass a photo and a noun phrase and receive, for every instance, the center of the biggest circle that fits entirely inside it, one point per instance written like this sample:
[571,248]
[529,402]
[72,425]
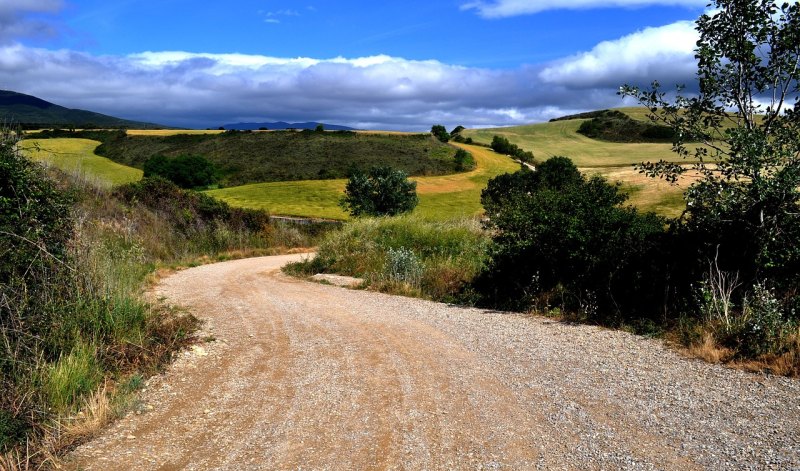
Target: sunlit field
[613,160]
[441,197]
[77,156]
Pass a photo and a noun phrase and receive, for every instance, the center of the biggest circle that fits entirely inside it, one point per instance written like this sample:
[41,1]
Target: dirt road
[309,376]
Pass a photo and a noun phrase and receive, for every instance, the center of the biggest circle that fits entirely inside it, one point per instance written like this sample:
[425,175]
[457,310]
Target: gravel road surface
[309,376]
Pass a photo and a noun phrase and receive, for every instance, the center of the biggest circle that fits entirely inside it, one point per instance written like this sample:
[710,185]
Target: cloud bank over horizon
[507,8]
[199,90]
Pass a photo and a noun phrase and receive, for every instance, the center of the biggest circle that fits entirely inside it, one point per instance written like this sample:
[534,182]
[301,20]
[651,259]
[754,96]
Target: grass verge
[407,255]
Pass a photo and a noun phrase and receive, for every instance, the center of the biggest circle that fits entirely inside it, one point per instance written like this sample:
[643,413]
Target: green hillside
[613,160]
[257,157]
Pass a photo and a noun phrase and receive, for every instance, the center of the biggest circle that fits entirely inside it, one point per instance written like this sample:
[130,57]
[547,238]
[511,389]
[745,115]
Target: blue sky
[392,65]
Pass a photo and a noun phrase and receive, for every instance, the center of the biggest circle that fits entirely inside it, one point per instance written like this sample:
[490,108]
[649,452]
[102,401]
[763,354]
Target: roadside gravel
[311,376]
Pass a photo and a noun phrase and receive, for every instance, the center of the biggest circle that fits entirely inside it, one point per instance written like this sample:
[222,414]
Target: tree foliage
[560,239]
[744,211]
[463,160]
[383,191]
[186,171]
[440,132]
[501,145]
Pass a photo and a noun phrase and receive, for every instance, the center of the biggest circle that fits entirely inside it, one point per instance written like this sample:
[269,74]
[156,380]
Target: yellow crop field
[77,156]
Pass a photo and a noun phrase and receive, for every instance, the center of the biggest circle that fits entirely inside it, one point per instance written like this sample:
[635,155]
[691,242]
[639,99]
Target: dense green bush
[383,191]
[559,239]
[35,222]
[616,126]
[186,171]
[440,132]
[464,160]
[501,145]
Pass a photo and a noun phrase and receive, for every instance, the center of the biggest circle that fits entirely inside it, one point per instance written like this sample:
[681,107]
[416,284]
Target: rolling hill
[281,125]
[244,157]
[32,112]
[614,160]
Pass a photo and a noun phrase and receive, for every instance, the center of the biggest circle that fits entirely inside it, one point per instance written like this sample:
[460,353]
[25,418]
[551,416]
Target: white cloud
[506,8]
[208,90]
[665,53]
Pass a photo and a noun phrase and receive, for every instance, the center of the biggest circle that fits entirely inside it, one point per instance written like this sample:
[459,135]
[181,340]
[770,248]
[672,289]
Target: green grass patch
[405,254]
[440,197]
[72,376]
[561,138]
[77,156]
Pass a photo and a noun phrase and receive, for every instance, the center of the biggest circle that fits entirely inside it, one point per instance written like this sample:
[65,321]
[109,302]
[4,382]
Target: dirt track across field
[309,376]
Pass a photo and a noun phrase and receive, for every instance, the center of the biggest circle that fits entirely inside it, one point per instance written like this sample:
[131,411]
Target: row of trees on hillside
[502,145]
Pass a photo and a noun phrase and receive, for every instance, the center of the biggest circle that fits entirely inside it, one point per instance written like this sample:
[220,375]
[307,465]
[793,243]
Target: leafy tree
[319,128]
[501,145]
[383,191]
[567,241]
[744,211]
[457,130]
[186,171]
[439,132]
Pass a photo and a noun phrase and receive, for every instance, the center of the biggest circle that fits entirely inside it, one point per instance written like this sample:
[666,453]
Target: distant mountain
[29,111]
[280,125]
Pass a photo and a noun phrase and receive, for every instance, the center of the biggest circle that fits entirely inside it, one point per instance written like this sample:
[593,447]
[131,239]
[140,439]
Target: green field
[77,156]
[441,197]
[613,160]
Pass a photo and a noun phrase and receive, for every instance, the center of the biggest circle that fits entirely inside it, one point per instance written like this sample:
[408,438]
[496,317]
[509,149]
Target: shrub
[463,160]
[439,132]
[382,191]
[35,219]
[186,171]
[402,265]
[560,239]
[501,145]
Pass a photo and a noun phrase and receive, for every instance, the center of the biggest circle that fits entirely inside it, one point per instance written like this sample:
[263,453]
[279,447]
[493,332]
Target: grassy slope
[441,197]
[259,157]
[77,156]
[612,160]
